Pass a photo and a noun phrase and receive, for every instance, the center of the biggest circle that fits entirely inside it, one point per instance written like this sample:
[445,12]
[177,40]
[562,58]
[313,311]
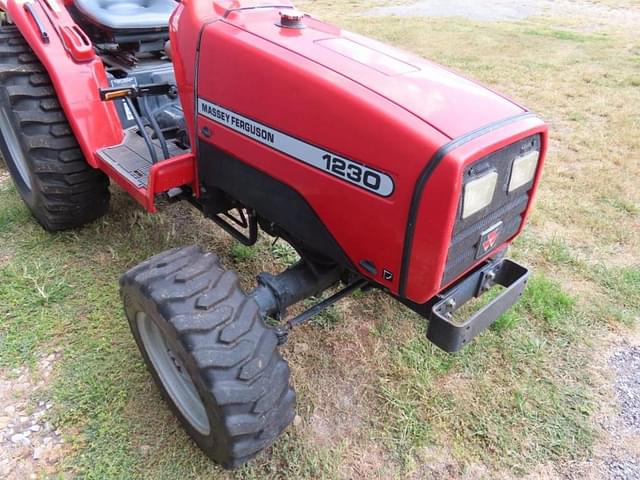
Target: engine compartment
[324,94]
[166,109]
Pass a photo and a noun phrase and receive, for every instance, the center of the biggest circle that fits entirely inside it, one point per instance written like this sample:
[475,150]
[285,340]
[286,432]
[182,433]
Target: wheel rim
[173,375]
[17,157]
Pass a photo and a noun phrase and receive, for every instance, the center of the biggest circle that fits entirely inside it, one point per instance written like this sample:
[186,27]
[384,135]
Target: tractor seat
[128,15]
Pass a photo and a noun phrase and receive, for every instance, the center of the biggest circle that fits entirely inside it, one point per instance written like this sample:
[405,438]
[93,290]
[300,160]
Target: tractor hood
[448,102]
[335,139]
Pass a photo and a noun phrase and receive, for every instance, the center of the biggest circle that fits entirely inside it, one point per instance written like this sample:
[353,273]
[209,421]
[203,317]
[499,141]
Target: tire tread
[236,354]
[66,191]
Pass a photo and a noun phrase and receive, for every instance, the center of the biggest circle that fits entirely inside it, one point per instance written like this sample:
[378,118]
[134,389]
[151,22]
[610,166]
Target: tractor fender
[76,72]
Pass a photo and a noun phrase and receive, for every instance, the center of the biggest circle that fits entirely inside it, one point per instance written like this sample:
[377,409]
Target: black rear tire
[42,154]
[215,361]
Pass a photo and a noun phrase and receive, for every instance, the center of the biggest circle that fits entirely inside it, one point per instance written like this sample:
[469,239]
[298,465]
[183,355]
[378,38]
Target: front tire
[210,353]
[42,154]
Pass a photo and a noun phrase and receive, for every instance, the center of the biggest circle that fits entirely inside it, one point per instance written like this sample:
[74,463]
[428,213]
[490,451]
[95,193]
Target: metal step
[132,158]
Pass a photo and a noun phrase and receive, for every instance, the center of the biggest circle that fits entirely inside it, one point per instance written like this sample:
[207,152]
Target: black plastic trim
[428,170]
[44,36]
[369,266]
[273,200]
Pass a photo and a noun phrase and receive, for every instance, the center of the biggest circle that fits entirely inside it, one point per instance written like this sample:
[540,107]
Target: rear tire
[42,154]
[210,353]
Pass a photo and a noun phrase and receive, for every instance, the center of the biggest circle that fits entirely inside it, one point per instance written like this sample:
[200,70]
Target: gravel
[627,469]
[626,362]
[622,464]
[30,446]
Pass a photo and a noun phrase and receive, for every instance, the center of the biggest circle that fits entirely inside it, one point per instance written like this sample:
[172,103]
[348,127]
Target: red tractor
[381,169]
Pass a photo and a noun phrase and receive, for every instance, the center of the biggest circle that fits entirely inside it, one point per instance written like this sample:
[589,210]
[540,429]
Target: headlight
[478,194]
[523,170]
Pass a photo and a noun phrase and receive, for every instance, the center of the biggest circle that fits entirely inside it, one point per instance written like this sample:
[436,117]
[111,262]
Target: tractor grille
[507,208]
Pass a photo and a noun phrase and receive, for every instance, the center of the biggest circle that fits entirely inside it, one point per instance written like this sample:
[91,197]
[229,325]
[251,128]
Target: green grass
[556,251]
[284,253]
[13,211]
[545,301]
[60,292]
[241,253]
[501,394]
[33,297]
[566,35]
[625,206]
[622,286]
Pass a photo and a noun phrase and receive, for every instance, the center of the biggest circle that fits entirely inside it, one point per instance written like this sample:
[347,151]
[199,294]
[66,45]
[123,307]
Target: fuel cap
[291,18]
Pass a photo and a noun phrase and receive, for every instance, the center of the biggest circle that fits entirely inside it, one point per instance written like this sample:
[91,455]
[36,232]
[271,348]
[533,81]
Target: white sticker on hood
[347,170]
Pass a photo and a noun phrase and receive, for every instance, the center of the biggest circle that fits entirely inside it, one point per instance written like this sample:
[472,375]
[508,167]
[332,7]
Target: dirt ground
[30,446]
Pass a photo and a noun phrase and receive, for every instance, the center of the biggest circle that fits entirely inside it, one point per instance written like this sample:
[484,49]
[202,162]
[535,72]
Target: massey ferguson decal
[489,240]
[347,170]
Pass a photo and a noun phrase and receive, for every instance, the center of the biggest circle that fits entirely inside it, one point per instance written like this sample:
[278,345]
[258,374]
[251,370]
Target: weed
[241,253]
[327,318]
[622,284]
[285,253]
[545,300]
[31,301]
[625,206]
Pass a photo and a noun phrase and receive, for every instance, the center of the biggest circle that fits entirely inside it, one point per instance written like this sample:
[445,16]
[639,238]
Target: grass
[623,282]
[241,253]
[532,417]
[376,400]
[565,35]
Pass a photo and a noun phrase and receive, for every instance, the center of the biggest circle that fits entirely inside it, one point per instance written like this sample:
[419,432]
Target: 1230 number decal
[355,173]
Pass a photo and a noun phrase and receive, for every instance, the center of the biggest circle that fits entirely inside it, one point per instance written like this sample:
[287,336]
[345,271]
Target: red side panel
[323,108]
[171,173]
[77,74]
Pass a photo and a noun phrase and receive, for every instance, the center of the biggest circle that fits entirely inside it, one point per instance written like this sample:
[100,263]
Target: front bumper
[451,335]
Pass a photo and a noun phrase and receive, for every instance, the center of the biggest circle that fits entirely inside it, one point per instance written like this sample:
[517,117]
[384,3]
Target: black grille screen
[505,207]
